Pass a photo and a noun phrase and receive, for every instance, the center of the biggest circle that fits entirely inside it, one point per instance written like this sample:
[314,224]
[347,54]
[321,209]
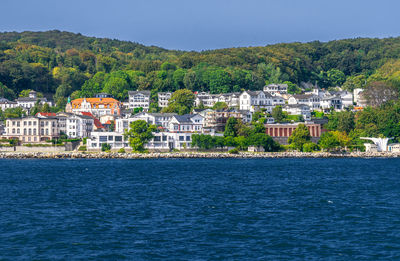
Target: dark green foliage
[105,147]
[61,63]
[299,137]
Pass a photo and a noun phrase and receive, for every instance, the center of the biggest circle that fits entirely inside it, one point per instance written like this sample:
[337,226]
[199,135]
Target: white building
[358,97]
[298,109]
[334,101]
[78,126]
[163,98]
[32,129]
[312,100]
[205,98]
[6,104]
[186,123]
[256,100]
[139,99]
[163,141]
[276,89]
[158,119]
[29,102]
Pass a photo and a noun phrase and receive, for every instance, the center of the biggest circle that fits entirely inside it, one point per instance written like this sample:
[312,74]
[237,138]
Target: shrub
[105,147]
[310,147]
[82,148]
[121,150]
[233,151]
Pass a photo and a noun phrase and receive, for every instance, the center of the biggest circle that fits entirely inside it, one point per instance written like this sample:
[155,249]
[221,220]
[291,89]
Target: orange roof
[96,100]
[97,123]
[46,114]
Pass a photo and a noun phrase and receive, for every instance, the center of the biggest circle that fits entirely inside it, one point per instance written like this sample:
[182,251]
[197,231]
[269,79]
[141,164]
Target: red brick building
[285,130]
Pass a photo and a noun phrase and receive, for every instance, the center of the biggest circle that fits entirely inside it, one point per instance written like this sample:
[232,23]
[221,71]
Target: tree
[336,77]
[263,140]
[230,127]
[105,147]
[277,113]
[299,137]
[218,106]
[328,141]
[310,147]
[139,134]
[181,102]
[377,93]
[341,121]
[6,92]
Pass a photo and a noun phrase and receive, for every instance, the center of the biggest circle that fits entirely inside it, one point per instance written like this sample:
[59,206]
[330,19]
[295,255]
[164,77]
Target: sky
[206,24]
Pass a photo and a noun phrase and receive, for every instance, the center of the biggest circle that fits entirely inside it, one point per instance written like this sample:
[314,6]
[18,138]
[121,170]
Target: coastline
[178,155]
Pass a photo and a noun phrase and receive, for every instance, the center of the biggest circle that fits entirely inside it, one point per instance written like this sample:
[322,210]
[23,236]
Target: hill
[63,64]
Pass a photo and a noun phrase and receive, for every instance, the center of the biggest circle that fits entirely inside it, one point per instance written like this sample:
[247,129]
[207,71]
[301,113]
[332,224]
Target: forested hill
[64,64]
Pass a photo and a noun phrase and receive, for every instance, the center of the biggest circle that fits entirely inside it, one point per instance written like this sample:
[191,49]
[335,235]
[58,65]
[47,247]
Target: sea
[200,209]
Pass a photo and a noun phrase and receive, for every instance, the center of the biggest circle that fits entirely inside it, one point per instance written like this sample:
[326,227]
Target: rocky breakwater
[177,155]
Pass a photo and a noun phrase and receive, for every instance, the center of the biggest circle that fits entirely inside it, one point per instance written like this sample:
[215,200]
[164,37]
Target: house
[298,109]
[217,119]
[79,126]
[97,126]
[205,98]
[276,89]
[255,100]
[347,98]
[186,123]
[96,106]
[32,129]
[162,141]
[159,119]
[6,104]
[255,149]
[29,102]
[312,100]
[139,99]
[163,98]
[394,147]
[333,101]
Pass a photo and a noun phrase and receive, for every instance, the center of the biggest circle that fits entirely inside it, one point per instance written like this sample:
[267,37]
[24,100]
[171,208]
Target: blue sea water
[200,209]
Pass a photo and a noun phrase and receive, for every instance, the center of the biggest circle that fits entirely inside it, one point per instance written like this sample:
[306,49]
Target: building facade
[139,99]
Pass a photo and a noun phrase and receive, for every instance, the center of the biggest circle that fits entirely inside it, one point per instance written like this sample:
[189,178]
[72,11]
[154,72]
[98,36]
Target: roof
[137,92]
[303,96]
[255,93]
[46,114]
[296,106]
[96,122]
[27,99]
[96,100]
[184,118]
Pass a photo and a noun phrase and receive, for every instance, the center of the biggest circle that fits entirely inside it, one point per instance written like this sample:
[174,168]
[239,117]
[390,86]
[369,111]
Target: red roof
[46,114]
[97,123]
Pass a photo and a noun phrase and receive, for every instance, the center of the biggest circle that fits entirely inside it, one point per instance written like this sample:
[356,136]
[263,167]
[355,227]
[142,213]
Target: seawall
[103,155]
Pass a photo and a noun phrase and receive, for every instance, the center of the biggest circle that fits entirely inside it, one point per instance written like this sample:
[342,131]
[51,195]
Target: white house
[298,109]
[276,89]
[30,101]
[312,100]
[256,100]
[161,141]
[205,98]
[186,123]
[78,126]
[163,98]
[334,101]
[139,99]
[358,97]
[5,104]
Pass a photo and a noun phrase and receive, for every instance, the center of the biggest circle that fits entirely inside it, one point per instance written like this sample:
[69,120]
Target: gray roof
[295,105]
[255,93]
[147,93]
[304,96]
[27,99]
[184,118]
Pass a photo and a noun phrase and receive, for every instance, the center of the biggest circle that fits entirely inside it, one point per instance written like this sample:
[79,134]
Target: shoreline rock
[181,155]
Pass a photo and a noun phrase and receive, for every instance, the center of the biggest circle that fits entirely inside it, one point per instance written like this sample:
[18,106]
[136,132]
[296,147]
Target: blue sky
[207,24]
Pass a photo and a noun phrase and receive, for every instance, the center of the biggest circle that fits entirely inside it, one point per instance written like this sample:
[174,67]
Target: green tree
[230,127]
[181,102]
[310,147]
[139,134]
[277,113]
[263,140]
[218,106]
[299,137]
[328,141]
[6,92]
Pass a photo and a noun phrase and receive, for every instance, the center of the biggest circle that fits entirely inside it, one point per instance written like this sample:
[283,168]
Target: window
[157,138]
[181,138]
[110,138]
[187,138]
[30,132]
[24,131]
[118,138]
[103,138]
[47,131]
